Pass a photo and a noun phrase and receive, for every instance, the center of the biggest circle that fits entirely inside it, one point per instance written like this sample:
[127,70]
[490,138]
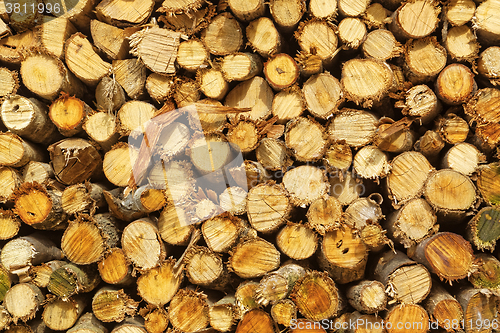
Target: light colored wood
[83,61]
[23,301]
[381,44]
[224,35]
[310,64]
[323,9]
[355,127]
[476,304]
[156,321]
[370,162]
[482,107]
[118,163]
[15,152]
[4,29]
[288,242]
[395,136]
[102,128]
[352,32]
[241,66]
[114,268]
[142,244]
[488,30]
[80,198]
[284,312]
[233,200]
[488,65]
[110,39]
[247,10]
[180,6]
[254,93]
[10,180]
[68,114]
[206,268]
[133,115]
[459,12]
[243,134]
[11,46]
[455,84]
[443,307]
[9,82]
[288,104]
[488,181]
[277,285]
[59,314]
[273,154]
[323,95]
[212,83]
[425,58]
[9,224]
[346,188]
[464,158]
[186,92]
[364,211]
[109,95]
[253,258]
[338,157]
[117,12]
[189,22]
[319,38]
[350,8]
[407,313]
[47,76]
[245,296]
[367,296]
[221,232]
[111,304]
[306,139]
[416,19]
[158,285]
[462,44]
[53,33]
[188,311]
[159,86]
[179,182]
[287,14]
[422,103]
[281,71]
[324,214]
[173,225]
[131,75]
[192,55]
[156,47]
[5,318]
[305,184]
[376,16]
[452,128]
[263,37]
[487,275]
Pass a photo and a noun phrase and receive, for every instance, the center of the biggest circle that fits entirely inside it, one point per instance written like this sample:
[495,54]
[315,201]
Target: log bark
[88,323]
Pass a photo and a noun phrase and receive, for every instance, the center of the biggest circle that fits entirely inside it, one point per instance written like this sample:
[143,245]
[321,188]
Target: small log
[316,296]
[324,214]
[221,232]
[81,198]
[176,177]
[371,163]
[5,318]
[88,323]
[459,12]
[109,96]
[287,14]
[124,12]
[233,200]
[352,32]
[284,312]
[482,230]
[68,114]
[318,37]
[347,8]
[277,285]
[406,23]
[188,311]
[11,46]
[130,324]
[159,86]
[247,10]
[455,84]
[430,144]
[338,157]
[487,136]
[424,58]
[223,35]
[142,244]
[23,301]
[245,296]
[10,82]
[131,75]
[412,223]
[156,321]
[464,158]
[110,39]
[409,171]
[110,304]
[212,83]
[488,181]
[364,211]
[343,255]
[462,44]
[452,128]
[263,37]
[287,241]
[323,9]
[70,279]
[256,321]
[186,92]
[59,314]
[346,189]
[40,275]
[241,66]
[288,104]
[374,237]
[87,238]
[39,207]
[114,268]
[377,16]
[413,316]
[450,192]
[173,226]
[381,45]
[443,307]
[480,308]
[487,29]
[406,281]
[74,160]
[422,103]
[205,268]
[224,314]
[482,107]
[9,224]
[355,127]
[306,139]
[5,284]
[10,180]
[367,296]
[310,64]
[53,33]
[487,275]
[244,134]
[323,95]
[487,64]
[281,71]
[446,254]
[254,93]
[253,258]
[189,22]
[394,136]
[118,162]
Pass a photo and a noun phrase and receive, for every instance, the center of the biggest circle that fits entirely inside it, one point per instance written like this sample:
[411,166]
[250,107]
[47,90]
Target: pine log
[254,93]
[482,228]
[381,44]
[83,198]
[343,255]
[364,211]
[206,268]
[488,181]
[241,66]
[464,158]
[233,200]
[247,10]
[109,97]
[446,254]
[9,224]
[68,114]
[459,12]
[413,316]
[159,86]
[318,37]
[347,8]
[212,83]
[450,192]
[487,275]
[70,279]
[110,304]
[223,35]
[253,258]
[306,138]
[114,268]
[455,84]
[10,82]
[142,244]
[415,19]
[59,314]
[188,311]
[124,12]
[346,188]
[443,308]
[263,37]
[221,232]
[422,103]
[284,312]
[462,44]
[277,285]
[288,104]
[281,71]
[173,226]
[371,163]
[131,75]
[316,296]
[352,32]
[88,323]
[156,321]
[424,59]
[367,296]
[338,157]
[75,160]
[224,314]
[487,29]
[256,321]
[323,95]
[356,127]
[452,128]
[324,214]
[23,301]
[40,275]
[118,163]
[487,64]
[411,223]
[245,296]
[39,207]
[409,171]
[479,308]
[287,14]
[287,241]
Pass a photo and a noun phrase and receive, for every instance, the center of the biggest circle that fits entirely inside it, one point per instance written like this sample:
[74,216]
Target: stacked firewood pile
[248,166]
